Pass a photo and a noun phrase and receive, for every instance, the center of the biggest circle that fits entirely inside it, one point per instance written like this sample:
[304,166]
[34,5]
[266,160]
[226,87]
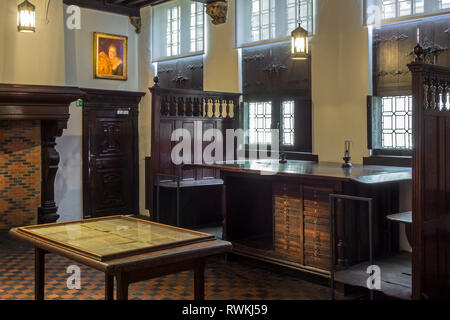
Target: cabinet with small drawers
[302,224]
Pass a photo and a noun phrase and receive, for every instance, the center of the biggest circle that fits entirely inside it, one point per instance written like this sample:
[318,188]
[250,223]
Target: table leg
[122,286]
[199,280]
[39,274]
[109,286]
[224,209]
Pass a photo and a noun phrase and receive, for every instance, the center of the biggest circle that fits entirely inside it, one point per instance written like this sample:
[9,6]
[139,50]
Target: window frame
[247,44]
[379,155]
[184,35]
[433,10]
[276,118]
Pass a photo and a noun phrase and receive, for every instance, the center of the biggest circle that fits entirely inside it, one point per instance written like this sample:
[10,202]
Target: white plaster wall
[32,58]
[340,80]
[146,75]
[221,71]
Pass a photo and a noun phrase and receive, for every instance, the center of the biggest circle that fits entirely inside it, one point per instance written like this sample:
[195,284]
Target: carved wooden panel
[181,73]
[269,69]
[392,51]
[110,153]
[431,183]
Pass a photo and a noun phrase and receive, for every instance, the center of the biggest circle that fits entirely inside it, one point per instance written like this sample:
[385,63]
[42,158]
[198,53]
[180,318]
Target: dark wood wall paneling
[110,152]
[392,51]
[186,73]
[269,73]
[269,70]
[431,181]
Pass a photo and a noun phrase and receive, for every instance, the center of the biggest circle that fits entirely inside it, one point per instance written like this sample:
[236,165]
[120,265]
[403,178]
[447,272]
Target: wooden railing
[195,103]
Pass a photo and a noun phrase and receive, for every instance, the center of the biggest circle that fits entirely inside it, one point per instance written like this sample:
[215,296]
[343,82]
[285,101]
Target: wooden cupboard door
[288,221]
[432,250]
[317,227]
[110,187]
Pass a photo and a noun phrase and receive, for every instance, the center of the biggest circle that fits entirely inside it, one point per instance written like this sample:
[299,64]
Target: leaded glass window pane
[444,4]
[260,122]
[396,122]
[196,26]
[173,31]
[288,116]
[391,9]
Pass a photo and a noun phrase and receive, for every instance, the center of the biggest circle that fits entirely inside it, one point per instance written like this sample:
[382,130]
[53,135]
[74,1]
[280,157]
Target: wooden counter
[280,212]
[322,170]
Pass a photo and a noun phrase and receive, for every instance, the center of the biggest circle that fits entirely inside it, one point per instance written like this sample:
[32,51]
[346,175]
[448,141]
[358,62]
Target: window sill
[189,55]
[290,155]
[384,160]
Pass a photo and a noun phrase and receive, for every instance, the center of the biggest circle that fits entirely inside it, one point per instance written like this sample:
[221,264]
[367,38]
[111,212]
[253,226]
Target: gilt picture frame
[110,56]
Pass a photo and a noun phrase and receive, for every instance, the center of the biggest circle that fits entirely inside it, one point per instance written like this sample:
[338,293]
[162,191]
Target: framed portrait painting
[110,56]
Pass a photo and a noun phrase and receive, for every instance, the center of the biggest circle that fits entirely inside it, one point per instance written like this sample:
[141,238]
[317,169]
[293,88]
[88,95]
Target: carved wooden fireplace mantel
[50,105]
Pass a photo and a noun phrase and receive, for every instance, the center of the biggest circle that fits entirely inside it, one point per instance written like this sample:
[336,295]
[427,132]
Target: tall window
[197,28]
[396,121]
[260,123]
[391,125]
[288,115]
[177,29]
[394,9]
[262,21]
[173,31]
[262,115]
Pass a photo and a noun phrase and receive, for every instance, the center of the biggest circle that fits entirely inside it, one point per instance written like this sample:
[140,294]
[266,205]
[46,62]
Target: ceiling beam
[105,6]
[139,3]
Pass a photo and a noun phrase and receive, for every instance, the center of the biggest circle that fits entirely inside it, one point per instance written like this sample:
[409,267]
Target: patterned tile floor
[230,280]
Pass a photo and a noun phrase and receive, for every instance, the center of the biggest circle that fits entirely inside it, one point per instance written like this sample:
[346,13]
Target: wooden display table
[129,249]
[280,213]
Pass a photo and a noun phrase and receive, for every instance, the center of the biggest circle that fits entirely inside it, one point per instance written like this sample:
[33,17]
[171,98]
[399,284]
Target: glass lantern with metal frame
[26,17]
[300,44]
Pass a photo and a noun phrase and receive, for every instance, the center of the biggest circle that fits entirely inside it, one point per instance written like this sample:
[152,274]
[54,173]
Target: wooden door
[110,165]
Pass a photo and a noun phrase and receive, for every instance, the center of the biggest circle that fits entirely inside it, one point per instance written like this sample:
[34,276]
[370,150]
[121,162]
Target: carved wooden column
[50,130]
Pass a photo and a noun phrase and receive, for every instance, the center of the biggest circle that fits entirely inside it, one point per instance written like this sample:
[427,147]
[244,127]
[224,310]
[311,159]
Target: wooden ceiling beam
[139,3]
[106,6]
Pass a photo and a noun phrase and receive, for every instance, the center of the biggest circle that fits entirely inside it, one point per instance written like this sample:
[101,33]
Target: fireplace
[31,118]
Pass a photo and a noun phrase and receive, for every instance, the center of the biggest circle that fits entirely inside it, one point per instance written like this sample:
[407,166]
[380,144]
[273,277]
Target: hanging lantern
[300,45]
[26,17]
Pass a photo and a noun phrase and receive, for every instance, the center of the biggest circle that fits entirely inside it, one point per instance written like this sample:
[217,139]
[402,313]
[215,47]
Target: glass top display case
[114,237]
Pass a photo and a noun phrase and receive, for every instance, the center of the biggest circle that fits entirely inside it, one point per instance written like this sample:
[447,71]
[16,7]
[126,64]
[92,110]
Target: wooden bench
[191,183]
[403,218]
